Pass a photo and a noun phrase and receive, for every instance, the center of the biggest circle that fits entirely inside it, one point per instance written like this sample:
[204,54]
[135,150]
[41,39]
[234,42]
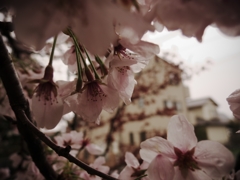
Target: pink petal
[126,173]
[98,165]
[197,175]
[65,88]
[142,63]
[98,162]
[161,168]
[123,82]
[47,114]
[234,102]
[181,133]
[234,97]
[104,169]
[214,159]
[131,160]
[235,108]
[87,109]
[143,48]
[94,149]
[147,155]
[156,145]
[178,174]
[95,14]
[71,103]
[123,61]
[30,22]
[144,165]
[112,99]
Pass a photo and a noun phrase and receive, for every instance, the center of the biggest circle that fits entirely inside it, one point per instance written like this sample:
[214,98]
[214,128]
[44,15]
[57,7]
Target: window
[177,106]
[174,78]
[168,104]
[143,136]
[141,102]
[131,138]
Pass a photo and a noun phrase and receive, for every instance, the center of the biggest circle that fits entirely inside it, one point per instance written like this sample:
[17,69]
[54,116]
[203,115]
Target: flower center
[121,52]
[46,91]
[85,142]
[122,70]
[68,143]
[185,160]
[94,92]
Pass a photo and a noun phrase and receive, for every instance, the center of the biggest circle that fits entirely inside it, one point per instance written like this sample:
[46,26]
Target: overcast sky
[221,78]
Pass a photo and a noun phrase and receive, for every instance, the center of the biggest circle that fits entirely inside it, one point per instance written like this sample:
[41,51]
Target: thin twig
[60,150]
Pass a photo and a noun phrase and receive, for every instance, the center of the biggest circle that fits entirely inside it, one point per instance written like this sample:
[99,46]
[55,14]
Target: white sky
[222,77]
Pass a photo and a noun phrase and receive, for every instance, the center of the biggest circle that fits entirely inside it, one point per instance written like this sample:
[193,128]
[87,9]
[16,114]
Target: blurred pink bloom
[206,12]
[181,157]
[234,103]
[133,168]
[94,98]
[115,174]
[69,58]
[77,142]
[98,165]
[72,139]
[92,21]
[4,173]
[16,159]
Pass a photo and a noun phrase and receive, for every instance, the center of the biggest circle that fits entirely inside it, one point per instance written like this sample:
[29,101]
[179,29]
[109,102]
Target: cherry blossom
[183,156]
[234,103]
[133,168]
[94,98]
[121,78]
[97,164]
[77,142]
[47,106]
[124,63]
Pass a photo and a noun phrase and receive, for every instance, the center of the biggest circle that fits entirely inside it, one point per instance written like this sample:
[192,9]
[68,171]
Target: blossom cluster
[98,27]
[179,157]
[106,51]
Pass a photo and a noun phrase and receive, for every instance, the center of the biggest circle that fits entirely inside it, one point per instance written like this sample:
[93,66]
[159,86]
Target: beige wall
[194,114]
[218,133]
[209,111]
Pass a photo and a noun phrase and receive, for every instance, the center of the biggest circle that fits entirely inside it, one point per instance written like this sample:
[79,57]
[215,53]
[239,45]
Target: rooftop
[194,103]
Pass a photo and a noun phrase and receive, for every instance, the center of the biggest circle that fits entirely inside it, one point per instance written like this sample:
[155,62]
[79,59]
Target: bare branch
[60,150]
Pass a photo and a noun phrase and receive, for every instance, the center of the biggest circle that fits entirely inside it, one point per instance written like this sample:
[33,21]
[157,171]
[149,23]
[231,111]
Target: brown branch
[18,103]
[60,150]
[6,27]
